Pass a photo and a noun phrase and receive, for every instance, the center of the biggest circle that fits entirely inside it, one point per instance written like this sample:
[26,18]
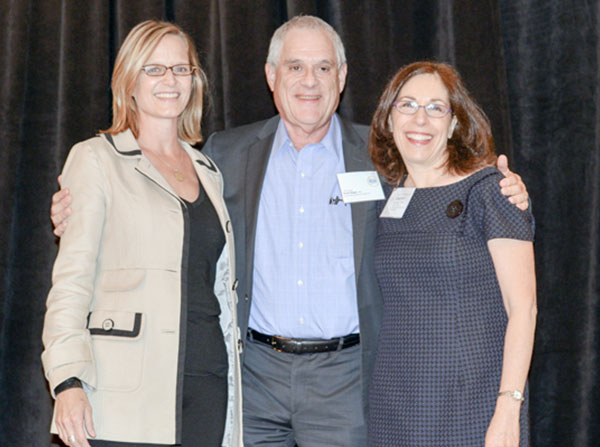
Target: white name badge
[397,203]
[360,186]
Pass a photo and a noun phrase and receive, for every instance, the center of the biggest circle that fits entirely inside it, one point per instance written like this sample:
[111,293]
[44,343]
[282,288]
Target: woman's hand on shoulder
[73,417]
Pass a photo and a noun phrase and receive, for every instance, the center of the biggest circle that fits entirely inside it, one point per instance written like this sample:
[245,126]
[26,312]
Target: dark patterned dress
[439,357]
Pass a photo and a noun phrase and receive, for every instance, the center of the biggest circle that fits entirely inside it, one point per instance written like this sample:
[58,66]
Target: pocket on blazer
[118,348]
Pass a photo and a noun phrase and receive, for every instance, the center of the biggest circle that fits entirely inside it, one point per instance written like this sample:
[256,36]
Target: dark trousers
[312,400]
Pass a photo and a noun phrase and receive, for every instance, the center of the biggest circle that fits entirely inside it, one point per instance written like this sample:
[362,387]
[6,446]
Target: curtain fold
[552,57]
[531,64]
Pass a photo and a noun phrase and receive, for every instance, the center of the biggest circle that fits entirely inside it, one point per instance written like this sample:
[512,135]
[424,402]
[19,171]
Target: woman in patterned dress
[454,260]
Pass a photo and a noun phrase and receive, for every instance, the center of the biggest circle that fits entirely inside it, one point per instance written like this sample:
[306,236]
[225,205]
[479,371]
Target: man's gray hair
[305,22]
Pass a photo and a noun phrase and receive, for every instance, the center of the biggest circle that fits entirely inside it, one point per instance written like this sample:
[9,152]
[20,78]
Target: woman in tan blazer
[140,335]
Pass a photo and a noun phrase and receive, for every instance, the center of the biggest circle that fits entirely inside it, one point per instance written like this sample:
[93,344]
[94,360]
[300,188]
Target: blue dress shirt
[304,281]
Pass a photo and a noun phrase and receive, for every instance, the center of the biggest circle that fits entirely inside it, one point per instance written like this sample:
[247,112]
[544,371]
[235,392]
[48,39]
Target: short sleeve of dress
[491,214]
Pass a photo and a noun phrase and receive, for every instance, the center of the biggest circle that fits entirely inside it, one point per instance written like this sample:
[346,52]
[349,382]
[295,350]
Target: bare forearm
[518,348]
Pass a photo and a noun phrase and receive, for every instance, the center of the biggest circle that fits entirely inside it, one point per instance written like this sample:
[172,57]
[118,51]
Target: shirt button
[300,282]
[301,320]
[301,209]
[300,245]
[302,174]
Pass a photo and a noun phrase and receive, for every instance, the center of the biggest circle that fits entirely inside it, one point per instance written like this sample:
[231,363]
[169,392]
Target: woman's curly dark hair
[471,145]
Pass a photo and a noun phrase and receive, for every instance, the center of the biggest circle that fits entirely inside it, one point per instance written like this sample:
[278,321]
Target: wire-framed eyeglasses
[433,109]
[160,70]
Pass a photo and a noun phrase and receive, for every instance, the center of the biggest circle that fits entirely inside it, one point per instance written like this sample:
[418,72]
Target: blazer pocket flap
[121,280]
[115,323]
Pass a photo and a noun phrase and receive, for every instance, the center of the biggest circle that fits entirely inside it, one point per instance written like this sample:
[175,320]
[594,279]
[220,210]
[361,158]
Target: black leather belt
[304,345]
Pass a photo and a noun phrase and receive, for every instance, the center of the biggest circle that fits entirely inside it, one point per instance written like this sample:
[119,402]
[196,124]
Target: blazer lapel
[356,158]
[258,157]
[127,146]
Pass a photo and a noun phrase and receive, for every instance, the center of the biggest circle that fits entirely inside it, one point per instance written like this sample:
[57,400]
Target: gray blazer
[242,155]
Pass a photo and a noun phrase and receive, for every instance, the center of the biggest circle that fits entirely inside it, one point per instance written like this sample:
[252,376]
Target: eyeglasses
[433,110]
[160,70]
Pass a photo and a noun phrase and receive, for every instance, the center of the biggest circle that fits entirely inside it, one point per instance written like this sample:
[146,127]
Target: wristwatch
[514,394]
[71,382]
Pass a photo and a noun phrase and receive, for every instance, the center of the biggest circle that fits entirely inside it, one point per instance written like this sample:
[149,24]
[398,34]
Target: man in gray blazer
[306,282]
[306,286]
[243,155]
[302,255]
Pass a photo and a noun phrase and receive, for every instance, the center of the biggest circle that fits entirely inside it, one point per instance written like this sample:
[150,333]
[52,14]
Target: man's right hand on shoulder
[60,209]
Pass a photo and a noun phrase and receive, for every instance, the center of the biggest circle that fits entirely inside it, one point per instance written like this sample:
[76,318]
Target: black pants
[204,413]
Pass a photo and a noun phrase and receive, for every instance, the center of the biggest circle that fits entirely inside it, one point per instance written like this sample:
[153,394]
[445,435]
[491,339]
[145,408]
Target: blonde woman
[140,335]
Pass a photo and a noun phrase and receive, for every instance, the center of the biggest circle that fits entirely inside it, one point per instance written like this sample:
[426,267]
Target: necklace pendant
[178,176]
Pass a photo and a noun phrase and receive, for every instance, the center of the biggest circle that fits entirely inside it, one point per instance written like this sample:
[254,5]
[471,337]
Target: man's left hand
[512,185]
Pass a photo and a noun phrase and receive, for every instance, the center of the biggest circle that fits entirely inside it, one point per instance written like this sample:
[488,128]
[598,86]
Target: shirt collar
[331,142]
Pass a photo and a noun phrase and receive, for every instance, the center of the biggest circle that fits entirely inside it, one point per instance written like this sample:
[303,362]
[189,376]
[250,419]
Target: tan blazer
[116,302]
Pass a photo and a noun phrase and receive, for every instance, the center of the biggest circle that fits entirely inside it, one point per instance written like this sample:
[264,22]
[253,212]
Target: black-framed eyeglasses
[160,70]
[433,109]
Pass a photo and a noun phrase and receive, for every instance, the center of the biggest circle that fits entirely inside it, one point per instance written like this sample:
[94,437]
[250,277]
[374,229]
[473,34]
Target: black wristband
[72,382]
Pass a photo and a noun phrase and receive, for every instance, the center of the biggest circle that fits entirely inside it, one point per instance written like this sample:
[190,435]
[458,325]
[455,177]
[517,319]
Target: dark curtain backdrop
[532,65]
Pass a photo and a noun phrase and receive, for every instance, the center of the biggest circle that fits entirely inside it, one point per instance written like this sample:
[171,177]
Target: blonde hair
[137,47]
